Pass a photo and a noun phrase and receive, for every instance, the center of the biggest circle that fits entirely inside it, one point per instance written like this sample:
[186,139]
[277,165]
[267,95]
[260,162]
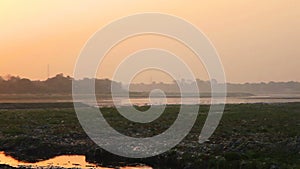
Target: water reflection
[141,101]
[192,101]
[65,161]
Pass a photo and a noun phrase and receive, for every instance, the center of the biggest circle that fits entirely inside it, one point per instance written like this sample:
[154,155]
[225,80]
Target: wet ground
[249,136]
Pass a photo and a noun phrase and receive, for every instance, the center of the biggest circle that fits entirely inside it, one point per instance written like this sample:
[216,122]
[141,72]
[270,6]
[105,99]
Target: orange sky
[257,40]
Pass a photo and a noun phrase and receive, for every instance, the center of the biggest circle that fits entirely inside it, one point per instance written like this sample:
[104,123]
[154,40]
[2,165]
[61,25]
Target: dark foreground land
[250,136]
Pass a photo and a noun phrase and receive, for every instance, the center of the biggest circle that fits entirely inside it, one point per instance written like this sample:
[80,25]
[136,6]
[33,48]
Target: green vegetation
[249,136]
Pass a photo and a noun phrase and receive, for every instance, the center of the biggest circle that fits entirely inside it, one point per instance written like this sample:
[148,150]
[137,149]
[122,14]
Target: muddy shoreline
[249,136]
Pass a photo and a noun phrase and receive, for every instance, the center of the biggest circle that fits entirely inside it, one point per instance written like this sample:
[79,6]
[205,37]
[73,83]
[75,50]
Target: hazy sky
[257,40]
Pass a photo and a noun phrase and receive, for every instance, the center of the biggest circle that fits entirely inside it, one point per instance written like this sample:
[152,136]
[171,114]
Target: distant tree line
[59,84]
[205,87]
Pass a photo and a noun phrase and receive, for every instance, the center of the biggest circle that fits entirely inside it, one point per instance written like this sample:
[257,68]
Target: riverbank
[249,136]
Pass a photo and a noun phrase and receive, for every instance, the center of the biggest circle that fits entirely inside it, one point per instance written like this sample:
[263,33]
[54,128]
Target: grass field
[250,136]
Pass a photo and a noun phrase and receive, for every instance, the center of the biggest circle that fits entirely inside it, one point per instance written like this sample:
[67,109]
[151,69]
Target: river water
[65,161]
[141,101]
[202,101]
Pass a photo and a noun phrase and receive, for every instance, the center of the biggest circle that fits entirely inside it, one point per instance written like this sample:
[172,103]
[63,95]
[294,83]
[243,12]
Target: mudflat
[249,136]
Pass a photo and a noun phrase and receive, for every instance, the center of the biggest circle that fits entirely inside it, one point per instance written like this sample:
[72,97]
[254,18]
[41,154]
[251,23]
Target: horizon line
[155,82]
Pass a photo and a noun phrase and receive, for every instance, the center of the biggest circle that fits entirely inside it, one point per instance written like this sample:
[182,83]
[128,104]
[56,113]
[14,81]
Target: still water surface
[158,101]
[65,161]
[202,101]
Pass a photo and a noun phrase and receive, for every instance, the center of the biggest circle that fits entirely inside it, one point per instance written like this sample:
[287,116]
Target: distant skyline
[63,84]
[258,41]
[151,81]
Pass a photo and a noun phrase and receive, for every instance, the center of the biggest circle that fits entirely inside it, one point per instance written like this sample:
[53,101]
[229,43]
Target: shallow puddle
[65,161]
